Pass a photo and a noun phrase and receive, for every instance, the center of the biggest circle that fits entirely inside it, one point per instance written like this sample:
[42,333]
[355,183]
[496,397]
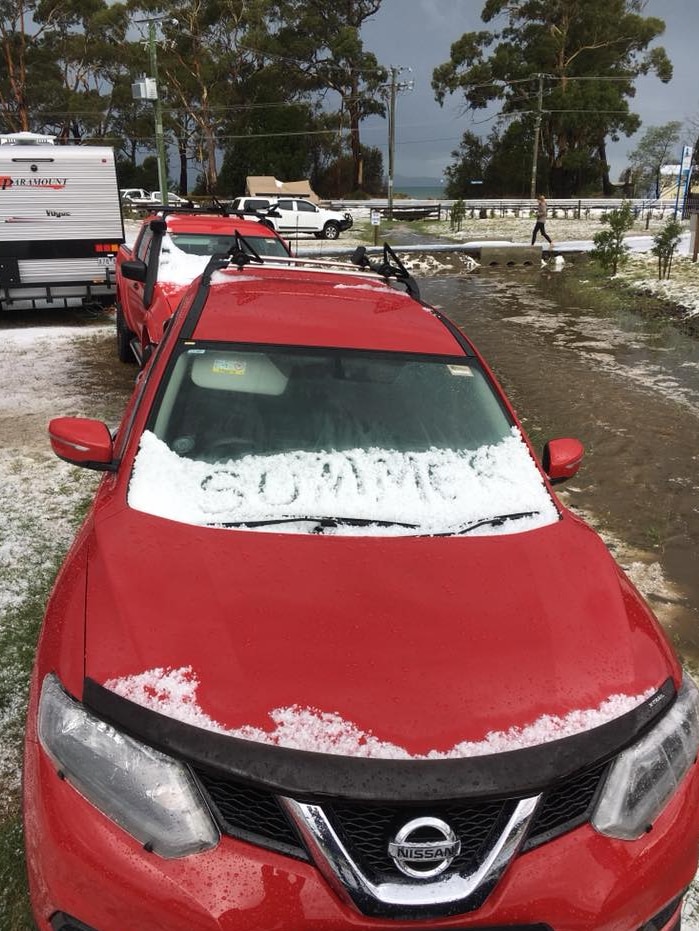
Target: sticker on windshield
[228,367]
[464,370]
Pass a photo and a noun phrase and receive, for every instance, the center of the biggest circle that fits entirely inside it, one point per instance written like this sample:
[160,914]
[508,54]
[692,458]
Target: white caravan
[60,223]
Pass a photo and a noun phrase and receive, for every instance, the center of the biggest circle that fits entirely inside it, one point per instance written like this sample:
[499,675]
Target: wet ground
[46,377]
[625,380]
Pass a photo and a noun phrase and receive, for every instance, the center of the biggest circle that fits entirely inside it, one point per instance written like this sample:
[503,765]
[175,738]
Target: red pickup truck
[171,249]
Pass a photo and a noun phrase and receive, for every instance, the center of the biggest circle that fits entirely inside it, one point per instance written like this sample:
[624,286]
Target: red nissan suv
[329,654]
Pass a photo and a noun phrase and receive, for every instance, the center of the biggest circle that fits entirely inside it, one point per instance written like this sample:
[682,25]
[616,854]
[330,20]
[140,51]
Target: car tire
[123,337]
[331,230]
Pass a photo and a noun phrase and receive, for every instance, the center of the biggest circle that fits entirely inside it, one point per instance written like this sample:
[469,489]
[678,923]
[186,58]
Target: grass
[15,914]
[18,637]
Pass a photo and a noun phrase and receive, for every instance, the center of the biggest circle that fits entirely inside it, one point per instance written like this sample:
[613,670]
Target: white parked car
[132,195]
[174,200]
[297,215]
[138,197]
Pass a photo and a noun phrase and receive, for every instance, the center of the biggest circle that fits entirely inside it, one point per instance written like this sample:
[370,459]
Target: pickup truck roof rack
[215,208]
[243,253]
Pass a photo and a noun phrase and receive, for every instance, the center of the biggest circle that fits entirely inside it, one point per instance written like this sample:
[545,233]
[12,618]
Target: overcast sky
[418,34]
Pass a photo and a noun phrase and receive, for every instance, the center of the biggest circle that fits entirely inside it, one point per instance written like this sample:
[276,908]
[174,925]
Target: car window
[335,439]
[211,243]
[283,400]
[305,207]
[144,244]
[285,204]
[255,204]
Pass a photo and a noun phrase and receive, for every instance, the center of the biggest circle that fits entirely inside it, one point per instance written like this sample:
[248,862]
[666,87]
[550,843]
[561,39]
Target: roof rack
[391,267]
[243,253]
[216,207]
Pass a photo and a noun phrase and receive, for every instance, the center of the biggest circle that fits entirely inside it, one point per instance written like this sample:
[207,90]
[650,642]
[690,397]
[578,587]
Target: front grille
[366,830]
[566,806]
[255,815]
[659,921]
[62,922]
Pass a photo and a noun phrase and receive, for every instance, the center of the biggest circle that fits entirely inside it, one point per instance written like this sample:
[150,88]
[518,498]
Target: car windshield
[211,243]
[258,434]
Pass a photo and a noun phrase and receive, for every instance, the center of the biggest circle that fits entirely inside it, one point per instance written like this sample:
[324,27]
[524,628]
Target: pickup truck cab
[298,215]
[172,248]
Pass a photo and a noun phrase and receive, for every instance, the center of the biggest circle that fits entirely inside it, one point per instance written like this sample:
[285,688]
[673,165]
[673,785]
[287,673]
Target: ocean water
[420,193]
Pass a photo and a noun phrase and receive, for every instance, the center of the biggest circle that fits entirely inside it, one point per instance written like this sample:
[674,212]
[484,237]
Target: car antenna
[390,267]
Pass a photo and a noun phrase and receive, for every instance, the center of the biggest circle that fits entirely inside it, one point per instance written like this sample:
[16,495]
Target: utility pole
[394,87]
[537,131]
[158,112]
[391,138]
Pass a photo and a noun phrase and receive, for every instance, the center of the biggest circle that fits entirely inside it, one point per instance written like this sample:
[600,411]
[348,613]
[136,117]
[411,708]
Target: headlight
[147,793]
[644,776]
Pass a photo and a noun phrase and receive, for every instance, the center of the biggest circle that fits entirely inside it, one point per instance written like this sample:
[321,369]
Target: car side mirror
[562,458]
[83,442]
[134,269]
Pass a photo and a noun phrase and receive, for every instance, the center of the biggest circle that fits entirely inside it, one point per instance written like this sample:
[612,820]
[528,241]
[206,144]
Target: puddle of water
[627,384]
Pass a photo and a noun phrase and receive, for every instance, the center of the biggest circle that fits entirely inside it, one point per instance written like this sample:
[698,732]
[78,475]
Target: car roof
[295,306]
[216,223]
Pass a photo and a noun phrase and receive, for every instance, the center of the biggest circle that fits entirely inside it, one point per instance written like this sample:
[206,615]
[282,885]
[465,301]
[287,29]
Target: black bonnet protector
[314,776]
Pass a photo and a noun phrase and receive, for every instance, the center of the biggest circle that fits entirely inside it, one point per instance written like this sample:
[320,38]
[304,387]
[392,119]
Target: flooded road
[624,381]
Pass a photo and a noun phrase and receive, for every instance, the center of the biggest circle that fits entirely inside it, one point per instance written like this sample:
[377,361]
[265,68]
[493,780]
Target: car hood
[383,646]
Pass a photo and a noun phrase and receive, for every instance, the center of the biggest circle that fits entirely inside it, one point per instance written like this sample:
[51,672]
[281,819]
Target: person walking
[539,226]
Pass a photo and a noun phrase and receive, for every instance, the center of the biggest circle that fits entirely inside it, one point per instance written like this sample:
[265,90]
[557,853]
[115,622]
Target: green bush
[666,241]
[610,250]
[457,215]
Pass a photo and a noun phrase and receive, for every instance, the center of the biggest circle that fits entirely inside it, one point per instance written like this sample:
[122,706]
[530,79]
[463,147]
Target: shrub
[457,215]
[666,241]
[610,250]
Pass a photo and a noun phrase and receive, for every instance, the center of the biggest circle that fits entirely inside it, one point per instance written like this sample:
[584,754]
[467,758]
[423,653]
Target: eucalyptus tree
[320,43]
[61,59]
[564,67]
[469,167]
[18,42]
[26,75]
[85,40]
[202,63]
[658,147]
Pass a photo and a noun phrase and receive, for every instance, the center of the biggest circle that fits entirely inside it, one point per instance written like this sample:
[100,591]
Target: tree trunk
[607,188]
[355,143]
[182,155]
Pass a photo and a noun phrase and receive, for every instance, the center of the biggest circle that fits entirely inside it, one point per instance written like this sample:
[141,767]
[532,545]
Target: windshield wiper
[496,521]
[322,523]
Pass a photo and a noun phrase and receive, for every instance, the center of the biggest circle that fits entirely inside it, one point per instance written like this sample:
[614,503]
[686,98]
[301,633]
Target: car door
[133,291]
[308,220]
[287,215]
